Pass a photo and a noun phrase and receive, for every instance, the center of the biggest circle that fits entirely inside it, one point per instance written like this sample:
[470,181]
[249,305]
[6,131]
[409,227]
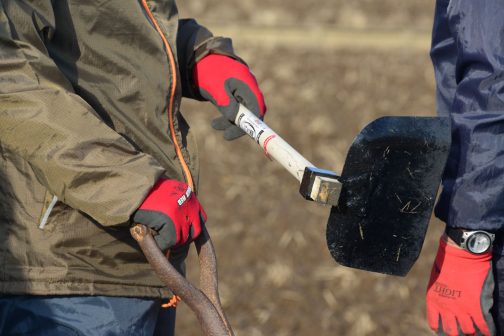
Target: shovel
[382,202]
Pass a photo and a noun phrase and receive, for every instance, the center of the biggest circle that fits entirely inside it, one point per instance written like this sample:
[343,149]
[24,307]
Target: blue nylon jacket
[468,57]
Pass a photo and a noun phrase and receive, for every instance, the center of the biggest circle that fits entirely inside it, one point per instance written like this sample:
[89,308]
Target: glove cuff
[446,249]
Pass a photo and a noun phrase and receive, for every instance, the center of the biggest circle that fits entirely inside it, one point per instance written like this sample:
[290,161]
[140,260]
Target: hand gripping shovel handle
[205,303]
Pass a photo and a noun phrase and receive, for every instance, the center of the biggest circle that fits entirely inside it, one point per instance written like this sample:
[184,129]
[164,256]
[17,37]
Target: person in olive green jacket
[92,140]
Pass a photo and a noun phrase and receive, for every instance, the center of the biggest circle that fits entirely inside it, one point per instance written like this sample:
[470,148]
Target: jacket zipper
[48,211]
[170,55]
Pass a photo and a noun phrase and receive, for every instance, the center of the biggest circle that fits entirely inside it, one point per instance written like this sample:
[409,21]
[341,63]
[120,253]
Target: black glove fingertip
[221,123]
[163,243]
[233,132]
[202,219]
[167,236]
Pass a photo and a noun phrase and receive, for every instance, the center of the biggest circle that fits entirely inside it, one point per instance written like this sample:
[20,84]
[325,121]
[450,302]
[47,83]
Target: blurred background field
[327,68]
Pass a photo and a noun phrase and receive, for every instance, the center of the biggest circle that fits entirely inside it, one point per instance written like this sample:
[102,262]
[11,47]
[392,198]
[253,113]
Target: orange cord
[175,299]
[169,52]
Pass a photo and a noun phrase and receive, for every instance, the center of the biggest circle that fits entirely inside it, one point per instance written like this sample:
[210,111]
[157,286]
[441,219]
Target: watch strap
[455,234]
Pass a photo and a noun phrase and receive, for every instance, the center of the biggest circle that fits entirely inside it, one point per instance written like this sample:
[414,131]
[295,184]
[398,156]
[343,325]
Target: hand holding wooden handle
[205,303]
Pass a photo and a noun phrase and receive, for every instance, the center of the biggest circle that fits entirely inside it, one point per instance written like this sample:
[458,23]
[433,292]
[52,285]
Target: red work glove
[227,83]
[459,295]
[173,211]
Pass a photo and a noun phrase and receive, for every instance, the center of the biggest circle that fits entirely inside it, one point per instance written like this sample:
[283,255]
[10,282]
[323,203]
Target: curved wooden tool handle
[208,273]
[208,315]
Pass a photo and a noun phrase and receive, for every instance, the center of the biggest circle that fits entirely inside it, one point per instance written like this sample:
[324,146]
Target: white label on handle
[252,125]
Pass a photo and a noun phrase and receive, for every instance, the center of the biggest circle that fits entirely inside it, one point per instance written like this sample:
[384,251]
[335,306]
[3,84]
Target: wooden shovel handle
[205,303]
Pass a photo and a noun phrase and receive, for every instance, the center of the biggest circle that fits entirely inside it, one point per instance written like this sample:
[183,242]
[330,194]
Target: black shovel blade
[390,181]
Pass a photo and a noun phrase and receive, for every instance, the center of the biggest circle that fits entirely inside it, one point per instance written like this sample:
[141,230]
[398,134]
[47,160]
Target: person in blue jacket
[465,294]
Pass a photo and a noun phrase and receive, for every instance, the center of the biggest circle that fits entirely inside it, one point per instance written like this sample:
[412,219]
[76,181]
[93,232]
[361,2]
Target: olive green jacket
[89,120]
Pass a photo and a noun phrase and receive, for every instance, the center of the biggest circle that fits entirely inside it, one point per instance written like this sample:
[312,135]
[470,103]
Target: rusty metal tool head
[204,302]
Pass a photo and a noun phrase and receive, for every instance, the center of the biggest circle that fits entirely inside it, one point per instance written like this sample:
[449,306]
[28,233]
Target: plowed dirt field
[327,68]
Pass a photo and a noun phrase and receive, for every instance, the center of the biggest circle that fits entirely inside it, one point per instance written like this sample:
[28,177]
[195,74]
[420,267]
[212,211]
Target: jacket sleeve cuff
[193,43]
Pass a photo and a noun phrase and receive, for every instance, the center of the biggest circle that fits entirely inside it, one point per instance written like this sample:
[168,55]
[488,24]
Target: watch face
[479,242]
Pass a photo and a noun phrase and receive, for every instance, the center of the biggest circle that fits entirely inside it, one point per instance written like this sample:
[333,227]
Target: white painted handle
[273,145]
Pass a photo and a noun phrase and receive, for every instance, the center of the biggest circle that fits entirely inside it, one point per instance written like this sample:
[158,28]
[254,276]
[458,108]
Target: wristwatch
[476,242]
